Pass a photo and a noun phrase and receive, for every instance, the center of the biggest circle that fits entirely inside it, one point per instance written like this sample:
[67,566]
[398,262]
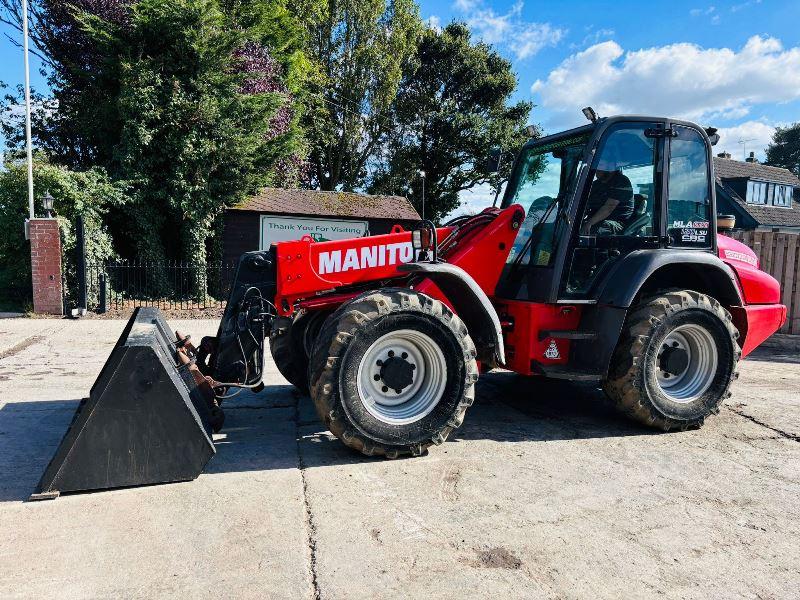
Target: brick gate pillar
[48,297]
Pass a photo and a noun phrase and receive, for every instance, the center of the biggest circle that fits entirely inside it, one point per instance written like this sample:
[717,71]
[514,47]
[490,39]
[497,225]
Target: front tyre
[675,361]
[392,372]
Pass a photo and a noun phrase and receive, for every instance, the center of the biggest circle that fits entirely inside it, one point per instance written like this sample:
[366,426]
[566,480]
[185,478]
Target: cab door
[620,207]
[690,192]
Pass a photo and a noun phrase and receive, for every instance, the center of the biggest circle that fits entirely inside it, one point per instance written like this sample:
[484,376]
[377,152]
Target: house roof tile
[726,168]
[329,204]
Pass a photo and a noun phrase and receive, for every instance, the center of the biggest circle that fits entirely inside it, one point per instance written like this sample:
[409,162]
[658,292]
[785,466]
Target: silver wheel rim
[428,378]
[691,382]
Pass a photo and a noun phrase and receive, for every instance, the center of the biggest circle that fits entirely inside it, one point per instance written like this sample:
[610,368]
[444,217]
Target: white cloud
[466,5]
[473,201]
[509,31]
[435,22]
[696,12]
[756,134]
[743,5]
[681,80]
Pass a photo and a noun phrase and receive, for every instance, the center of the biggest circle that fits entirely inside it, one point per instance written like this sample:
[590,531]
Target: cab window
[689,189]
[542,185]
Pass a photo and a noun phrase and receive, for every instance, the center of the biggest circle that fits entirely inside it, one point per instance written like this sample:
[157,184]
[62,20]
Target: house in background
[761,197]
[276,215]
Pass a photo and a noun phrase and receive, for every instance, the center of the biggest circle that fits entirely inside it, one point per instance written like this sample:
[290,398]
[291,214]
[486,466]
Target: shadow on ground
[774,355]
[508,408]
[261,430]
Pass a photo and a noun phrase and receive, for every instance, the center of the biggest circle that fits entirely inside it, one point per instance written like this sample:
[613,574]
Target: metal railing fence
[173,285]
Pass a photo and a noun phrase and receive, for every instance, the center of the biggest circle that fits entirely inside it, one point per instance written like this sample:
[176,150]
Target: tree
[77,126]
[192,103]
[360,48]
[203,120]
[784,150]
[451,111]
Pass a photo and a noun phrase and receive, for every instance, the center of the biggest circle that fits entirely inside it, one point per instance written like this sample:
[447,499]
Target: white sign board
[282,229]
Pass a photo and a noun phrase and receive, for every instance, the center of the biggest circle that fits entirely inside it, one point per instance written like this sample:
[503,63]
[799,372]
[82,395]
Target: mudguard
[470,303]
[624,281]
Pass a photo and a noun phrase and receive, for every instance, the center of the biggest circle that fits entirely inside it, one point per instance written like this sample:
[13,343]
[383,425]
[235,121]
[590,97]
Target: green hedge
[90,193]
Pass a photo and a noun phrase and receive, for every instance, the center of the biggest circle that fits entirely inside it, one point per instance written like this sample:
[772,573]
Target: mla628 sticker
[693,232]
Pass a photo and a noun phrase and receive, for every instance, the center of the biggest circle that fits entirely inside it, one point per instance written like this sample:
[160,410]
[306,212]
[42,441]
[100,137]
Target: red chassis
[323,275]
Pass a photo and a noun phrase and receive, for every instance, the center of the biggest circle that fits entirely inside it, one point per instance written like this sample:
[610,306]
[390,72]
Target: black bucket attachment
[145,421]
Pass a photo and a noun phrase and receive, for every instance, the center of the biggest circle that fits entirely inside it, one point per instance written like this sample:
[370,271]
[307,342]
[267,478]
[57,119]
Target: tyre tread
[623,385]
[340,328]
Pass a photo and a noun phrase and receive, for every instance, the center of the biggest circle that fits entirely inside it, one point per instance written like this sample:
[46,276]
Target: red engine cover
[757,286]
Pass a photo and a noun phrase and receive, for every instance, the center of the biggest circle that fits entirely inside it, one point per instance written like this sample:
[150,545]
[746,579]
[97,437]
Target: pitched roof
[330,204]
[726,168]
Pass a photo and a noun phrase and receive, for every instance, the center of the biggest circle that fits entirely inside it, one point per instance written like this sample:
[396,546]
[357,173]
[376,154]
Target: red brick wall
[46,267]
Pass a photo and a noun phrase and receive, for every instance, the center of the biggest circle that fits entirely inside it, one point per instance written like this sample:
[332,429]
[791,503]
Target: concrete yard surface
[544,492]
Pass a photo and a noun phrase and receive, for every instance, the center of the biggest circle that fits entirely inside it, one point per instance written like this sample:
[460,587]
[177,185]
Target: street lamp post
[27,108]
[422,176]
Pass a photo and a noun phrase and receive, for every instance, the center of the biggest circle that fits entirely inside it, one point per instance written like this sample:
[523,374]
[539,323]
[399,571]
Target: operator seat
[639,219]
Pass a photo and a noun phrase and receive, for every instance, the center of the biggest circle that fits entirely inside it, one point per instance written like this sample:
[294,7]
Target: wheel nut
[391,353]
[398,391]
[413,366]
[377,377]
[384,389]
[379,363]
[404,355]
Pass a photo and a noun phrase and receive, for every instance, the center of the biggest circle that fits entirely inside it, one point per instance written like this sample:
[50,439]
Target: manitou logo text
[353,259]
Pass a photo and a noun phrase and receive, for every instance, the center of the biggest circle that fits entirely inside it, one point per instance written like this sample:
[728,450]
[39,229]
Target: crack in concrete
[780,432]
[310,521]
[20,346]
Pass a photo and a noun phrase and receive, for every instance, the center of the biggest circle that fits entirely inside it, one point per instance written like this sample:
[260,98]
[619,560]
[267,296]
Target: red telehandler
[603,264]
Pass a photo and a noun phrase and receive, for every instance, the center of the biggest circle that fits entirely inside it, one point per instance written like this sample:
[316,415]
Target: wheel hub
[402,377]
[686,363]
[397,373]
[673,360]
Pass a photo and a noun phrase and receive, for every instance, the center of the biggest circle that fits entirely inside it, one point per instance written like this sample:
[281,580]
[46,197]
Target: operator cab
[595,194]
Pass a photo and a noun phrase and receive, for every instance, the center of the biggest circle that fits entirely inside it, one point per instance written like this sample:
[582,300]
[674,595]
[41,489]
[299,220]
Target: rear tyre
[675,361]
[392,372]
[290,342]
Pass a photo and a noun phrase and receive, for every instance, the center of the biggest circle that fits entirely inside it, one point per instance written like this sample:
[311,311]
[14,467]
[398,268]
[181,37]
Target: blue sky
[679,58]
[733,65]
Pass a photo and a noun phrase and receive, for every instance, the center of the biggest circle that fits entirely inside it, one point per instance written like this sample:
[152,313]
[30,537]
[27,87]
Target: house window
[756,192]
[783,195]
